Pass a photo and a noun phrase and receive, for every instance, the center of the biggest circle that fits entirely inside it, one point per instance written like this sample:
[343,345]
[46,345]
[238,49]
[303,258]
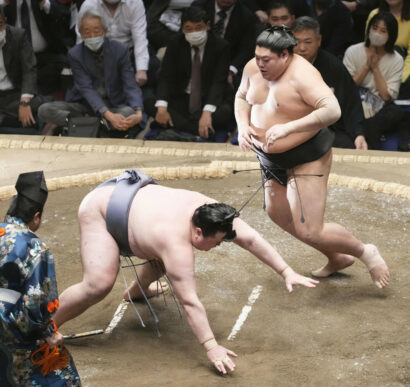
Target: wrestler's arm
[315,93]
[249,239]
[243,110]
[179,265]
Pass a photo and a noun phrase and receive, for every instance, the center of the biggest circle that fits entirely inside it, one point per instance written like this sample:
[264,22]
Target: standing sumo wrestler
[283,108]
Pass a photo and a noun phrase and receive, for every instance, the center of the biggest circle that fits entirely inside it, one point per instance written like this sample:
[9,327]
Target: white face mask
[196,38]
[377,39]
[2,35]
[94,44]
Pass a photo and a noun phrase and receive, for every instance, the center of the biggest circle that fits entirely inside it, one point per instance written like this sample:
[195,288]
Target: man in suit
[348,129]
[104,82]
[234,22]
[192,94]
[18,100]
[40,20]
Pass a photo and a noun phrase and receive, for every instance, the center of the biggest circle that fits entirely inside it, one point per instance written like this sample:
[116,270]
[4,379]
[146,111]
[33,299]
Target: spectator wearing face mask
[192,94]
[126,22]
[104,83]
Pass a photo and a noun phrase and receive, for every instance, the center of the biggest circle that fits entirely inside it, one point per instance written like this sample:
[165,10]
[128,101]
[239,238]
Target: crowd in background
[169,69]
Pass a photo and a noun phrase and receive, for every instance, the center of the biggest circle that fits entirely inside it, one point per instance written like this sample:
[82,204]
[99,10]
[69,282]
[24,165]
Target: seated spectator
[280,13]
[400,9]
[192,94]
[18,81]
[335,25]
[377,68]
[234,22]
[348,129]
[39,20]
[104,82]
[126,23]
[164,21]
[261,8]
[359,10]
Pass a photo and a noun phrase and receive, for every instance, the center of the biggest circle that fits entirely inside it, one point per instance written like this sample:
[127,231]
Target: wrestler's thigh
[99,251]
[277,205]
[308,193]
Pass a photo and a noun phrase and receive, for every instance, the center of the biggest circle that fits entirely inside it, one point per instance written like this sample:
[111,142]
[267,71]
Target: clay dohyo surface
[346,332]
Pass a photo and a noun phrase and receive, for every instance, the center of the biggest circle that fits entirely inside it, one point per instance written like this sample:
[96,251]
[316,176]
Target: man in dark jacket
[18,78]
[348,129]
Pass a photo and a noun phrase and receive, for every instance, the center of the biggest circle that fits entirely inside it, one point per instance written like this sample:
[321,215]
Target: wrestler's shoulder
[251,67]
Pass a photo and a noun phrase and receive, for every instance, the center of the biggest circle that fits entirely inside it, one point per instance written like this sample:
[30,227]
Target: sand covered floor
[346,332]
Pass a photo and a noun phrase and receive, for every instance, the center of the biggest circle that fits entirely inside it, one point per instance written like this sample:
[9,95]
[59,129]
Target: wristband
[210,344]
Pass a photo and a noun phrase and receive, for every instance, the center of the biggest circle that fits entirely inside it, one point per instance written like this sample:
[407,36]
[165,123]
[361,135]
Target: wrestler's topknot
[277,39]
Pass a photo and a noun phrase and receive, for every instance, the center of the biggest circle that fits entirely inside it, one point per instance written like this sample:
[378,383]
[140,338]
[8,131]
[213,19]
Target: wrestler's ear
[198,232]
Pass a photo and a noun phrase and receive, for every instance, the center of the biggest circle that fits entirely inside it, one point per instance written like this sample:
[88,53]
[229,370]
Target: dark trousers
[9,108]
[390,119]
[49,66]
[178,108]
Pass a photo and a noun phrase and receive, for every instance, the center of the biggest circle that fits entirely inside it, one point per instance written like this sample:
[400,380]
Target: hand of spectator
[360,143]
[55,339]
[26,116]
[141,77]
[373,61]
[118,121]
[350,5]
[134,119]
[205,124]
[244,138]
[163,117]
[262,16]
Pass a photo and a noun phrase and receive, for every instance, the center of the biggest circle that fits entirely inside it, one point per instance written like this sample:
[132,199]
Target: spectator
[18,81]
[104,84]
[335,25]
[400,9]
[164,21]
[376,67]
[192,94]
[261,8]
[233,21]
[280,13]
[348,129]
[359,10]
[126,23]
[38,19]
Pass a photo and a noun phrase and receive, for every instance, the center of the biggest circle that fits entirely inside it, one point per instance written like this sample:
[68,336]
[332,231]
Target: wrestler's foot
[340,262]
[156,287]
[376,265]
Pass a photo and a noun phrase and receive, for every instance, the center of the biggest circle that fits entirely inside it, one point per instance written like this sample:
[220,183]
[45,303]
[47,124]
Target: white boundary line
[122,307]
[245,311]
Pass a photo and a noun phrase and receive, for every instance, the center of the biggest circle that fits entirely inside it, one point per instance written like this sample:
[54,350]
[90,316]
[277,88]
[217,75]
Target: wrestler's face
[203,243]
[271,65]
[280,16]
[308,44]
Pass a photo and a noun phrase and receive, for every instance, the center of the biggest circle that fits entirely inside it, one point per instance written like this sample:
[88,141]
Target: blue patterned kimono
[28,300]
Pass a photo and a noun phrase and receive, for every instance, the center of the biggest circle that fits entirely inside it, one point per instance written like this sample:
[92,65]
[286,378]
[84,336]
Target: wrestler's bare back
[292,96]
[160,218]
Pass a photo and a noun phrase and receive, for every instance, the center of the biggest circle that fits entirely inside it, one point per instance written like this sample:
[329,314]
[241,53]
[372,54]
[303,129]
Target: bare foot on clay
[376,265]
[156,287]
[339,263]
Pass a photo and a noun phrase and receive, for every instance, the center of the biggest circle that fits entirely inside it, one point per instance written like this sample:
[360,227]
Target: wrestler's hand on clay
[293,278]
[244,138]
[219,356]
[55,339]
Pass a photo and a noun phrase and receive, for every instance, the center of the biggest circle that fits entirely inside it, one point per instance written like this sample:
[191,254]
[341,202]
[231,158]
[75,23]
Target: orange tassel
[51,359]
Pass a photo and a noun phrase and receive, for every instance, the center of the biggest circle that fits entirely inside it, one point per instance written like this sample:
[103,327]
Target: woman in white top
[377,69]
